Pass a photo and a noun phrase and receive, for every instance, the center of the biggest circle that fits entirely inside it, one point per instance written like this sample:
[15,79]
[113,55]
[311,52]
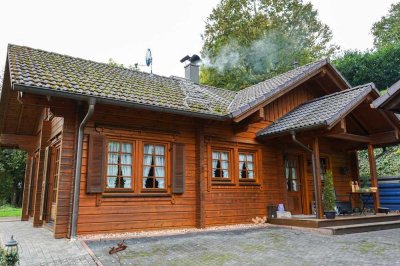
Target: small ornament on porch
[120,247]
[259,220]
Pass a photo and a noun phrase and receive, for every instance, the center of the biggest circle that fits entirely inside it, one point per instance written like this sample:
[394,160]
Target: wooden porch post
[200,186]
[320,212]
[374,179]
[27,186]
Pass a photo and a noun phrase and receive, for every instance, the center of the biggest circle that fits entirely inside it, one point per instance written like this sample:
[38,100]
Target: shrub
[8,259]
[329,192]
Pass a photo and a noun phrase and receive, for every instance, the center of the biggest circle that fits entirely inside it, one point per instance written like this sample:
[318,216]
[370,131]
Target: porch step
[339,221]
[364,227]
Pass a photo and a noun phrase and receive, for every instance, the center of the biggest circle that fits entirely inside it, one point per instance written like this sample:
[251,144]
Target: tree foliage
[246,42]
[387,163]
[387,30]
[381,66]
[12,170]
[111,62]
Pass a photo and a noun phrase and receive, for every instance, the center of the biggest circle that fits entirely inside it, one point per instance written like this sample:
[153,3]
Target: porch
[325,134]
[348,224]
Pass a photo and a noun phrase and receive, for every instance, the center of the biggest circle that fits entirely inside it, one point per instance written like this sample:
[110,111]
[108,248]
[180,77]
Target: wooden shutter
[178,168]
[95,166]
[45,182]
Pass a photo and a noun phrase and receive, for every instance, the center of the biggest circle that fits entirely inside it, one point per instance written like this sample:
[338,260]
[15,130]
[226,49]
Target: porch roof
[390,100]
[321,112]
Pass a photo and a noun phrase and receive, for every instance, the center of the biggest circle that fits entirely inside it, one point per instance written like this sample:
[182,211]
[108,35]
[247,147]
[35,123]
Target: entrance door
[293,184]
[53,186]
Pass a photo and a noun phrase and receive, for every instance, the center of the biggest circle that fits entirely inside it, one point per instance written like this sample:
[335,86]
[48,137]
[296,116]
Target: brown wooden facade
[46,127]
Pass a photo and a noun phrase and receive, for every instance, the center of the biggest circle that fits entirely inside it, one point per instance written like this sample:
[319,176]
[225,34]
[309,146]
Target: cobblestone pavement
[38,247]
[262,246]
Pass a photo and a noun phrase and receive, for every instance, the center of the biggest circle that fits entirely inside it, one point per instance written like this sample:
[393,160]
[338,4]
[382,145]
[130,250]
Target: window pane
[160,150]
[294,185]
[214,173]
[126,170]
[126,182]
[215,164]
[225,173]
[113,158]
[148,160]
[249,157]
[112,170]
[224,165]
[111,182]
[215,155]
[126,159]
[160,172]
[159,161]
[224,156]
[148,149]
[243,174]
[160,182]
[242,166]
[250,166]
[294,173]
[148,171]
[150,182]
[250,174]
[242,157]
[113,146]
[126,147]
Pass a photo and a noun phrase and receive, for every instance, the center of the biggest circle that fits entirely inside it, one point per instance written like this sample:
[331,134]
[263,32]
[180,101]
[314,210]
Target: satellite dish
[148,57]
[148,60]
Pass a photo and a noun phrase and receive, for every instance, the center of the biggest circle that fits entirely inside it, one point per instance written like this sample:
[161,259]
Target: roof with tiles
[390,93]
[65,74]
[324,111]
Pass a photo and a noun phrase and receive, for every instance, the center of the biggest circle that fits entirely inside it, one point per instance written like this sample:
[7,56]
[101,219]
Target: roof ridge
[303,66]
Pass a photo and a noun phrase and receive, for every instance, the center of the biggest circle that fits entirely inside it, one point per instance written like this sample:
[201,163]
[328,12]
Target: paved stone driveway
[262,246]
[38,247]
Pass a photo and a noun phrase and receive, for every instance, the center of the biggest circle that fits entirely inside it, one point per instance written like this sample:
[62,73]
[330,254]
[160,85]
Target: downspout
[317,203]
[78,165]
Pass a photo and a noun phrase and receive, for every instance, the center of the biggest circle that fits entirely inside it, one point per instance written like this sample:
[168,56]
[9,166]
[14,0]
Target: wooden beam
[200,178]
[320,212]
[23,142]
[31,99]
[21,111]
[350,137]
[387,137]
[359,123]
[374,179]
[339,128]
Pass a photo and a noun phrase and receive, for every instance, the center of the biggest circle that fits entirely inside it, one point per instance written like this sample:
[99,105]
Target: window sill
[250,184]
[131,195]
[220,183]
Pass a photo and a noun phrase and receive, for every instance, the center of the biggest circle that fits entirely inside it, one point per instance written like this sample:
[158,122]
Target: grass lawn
[9,211]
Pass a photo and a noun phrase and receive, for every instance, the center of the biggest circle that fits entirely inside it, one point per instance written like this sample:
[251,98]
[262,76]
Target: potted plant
[329,196]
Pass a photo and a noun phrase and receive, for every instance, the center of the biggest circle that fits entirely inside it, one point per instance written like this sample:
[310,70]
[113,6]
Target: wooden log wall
[203,203]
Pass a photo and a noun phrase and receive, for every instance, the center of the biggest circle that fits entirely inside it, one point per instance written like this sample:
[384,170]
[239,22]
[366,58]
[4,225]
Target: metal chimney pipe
[192,69]
[192,72]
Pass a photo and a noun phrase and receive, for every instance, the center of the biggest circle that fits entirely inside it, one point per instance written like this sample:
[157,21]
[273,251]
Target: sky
[124,30]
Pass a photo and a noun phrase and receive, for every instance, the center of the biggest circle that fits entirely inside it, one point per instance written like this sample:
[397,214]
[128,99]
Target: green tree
[246,41]
[111,62]
[12,171]
[387,30]
[381,66]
